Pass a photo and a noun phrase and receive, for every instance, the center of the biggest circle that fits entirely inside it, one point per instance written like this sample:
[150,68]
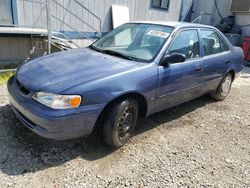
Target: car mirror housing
[173,58]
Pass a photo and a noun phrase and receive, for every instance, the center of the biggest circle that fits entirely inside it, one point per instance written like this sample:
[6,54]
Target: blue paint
[100,78]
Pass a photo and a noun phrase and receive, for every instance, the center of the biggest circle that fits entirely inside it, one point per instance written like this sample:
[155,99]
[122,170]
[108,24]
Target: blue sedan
[137,69]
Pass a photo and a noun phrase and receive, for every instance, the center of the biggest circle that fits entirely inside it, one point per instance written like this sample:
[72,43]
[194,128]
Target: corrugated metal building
[24,23]
[92,12]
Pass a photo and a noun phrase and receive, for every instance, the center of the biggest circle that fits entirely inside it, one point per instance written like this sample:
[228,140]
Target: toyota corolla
[135,70]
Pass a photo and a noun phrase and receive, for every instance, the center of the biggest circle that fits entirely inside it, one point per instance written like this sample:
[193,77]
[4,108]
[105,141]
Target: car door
[180,82]
[216,59]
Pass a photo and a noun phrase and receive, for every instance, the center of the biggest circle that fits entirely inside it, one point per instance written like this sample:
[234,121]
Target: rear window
[212,43]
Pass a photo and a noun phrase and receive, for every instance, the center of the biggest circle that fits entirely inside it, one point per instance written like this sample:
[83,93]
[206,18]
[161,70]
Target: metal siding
[14,48]
[31,14]
[244,19]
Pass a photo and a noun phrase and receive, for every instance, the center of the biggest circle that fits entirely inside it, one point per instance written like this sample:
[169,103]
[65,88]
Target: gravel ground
[201,143]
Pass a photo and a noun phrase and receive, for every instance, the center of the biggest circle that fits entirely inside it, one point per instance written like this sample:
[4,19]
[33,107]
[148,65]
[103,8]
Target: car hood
[60,71]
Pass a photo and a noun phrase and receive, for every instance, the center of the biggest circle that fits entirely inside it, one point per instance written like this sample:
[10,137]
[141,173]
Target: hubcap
[125,122]
[225,87]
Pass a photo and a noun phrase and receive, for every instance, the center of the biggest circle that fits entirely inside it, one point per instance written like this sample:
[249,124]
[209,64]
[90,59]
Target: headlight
[57,101]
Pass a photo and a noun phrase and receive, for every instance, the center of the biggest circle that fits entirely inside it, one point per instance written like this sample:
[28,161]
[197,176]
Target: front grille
[26,121]
[22,88]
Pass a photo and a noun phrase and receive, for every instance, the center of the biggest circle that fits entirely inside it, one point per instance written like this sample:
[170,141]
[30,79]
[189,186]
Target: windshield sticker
[158,34]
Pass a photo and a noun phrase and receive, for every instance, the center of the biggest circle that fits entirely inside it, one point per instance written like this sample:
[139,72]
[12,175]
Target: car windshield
[134,41]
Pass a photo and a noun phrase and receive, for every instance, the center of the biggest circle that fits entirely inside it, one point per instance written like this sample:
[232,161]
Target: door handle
[227,62]
[199,69]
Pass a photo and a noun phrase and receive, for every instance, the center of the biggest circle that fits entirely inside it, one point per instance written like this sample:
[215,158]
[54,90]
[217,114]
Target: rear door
[217,59]
[180,82]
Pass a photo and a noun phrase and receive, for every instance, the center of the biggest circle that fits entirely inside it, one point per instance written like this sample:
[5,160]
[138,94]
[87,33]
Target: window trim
[14,12]
[220,38]
[159,7]
[174,37]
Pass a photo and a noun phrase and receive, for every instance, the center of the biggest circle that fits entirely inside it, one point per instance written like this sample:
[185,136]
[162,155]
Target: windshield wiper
[95,48]
[114,53]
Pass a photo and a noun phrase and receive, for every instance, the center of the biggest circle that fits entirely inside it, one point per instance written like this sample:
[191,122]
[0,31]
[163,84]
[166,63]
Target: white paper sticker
[158,34]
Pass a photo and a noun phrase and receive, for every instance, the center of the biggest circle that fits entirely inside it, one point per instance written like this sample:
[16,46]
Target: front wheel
[120,122]
[223,89]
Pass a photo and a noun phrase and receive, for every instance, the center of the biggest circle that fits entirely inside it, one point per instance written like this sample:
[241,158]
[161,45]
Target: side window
[187,43]
[224,46]
[212,43]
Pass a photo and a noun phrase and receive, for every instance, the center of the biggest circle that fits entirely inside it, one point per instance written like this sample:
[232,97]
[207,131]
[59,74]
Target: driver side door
[180,82]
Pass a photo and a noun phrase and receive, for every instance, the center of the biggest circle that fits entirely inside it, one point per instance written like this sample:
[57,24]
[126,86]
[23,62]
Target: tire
[120,122]
[223,89]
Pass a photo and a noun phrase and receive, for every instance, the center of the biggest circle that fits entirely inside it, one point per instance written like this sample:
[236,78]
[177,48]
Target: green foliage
[5,76]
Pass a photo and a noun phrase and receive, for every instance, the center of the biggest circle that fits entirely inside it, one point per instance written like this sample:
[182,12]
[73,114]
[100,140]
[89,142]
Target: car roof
[175,24]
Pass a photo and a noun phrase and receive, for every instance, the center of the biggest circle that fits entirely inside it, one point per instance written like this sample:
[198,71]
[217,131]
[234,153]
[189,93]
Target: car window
[224,46]
[212,43]
[124,38]
[135,40]
[187,43]
[150,37]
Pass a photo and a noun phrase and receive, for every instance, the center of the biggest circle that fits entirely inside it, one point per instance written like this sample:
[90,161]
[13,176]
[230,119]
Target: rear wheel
[120,122]
[223,89]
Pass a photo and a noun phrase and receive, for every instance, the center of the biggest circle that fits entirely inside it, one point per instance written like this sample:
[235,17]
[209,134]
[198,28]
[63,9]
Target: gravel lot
[201,143]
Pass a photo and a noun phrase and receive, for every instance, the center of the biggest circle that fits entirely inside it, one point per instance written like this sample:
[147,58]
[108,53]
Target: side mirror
[173,58]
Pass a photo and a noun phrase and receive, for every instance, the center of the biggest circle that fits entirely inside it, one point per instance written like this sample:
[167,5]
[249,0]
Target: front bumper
[51,123]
